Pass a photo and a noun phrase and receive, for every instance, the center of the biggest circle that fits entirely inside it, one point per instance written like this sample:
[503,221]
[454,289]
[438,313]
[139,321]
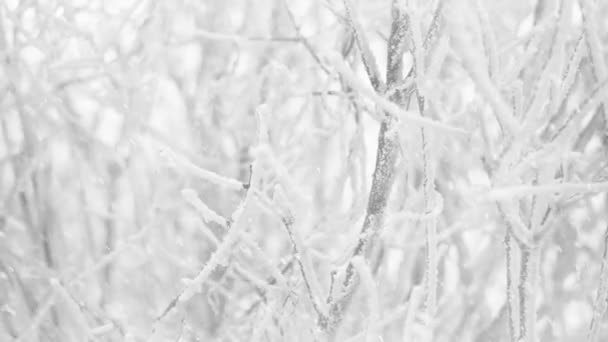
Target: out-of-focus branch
[595,47]
[484,84]
[428,181]
[598,63]
[367,279]
[367,57]
[434,27]
[548,189]
[303,39]
[235,38]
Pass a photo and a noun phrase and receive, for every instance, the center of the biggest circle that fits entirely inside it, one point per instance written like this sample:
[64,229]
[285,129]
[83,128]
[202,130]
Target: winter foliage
[281,170]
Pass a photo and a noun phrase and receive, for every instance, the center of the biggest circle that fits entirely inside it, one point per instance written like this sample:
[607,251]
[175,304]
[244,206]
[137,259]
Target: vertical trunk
[387,151]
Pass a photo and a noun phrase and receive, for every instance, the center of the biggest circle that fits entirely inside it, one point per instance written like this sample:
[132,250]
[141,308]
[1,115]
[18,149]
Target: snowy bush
[281,170]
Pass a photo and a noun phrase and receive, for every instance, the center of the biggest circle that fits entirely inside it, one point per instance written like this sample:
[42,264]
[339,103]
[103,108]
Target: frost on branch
[303,170]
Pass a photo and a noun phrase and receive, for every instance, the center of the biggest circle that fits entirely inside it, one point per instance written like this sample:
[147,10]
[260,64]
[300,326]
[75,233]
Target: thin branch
[511,304]
[598,63]
[219,255]
[601,297]
[417,48]
[541,81]
[594,46]
[567,82]
[488,39]
[297,246]
[396,47]
[522,293]
[428,188]
[219,36]
[514,224]
[589,103]
[303,39]
[43,309]
[369,284]
[208,214]
[546,189]
[190,166]
[527,293]
[434,26]
[388,106]
[369,61]
[485,85]
[271,281]
[416,297]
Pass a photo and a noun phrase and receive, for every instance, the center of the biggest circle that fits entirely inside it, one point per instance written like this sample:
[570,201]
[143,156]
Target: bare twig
[317,304]
[559,188]
[601,297]
[434,26]
[187,164]
[369,61]
[208,214]
[595,48]
[389,107]
[304,40]
[428,188]
[589,103]
[369,284]
[485,85]
[511,304]
[527,290]
[218,36]
[599,119]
